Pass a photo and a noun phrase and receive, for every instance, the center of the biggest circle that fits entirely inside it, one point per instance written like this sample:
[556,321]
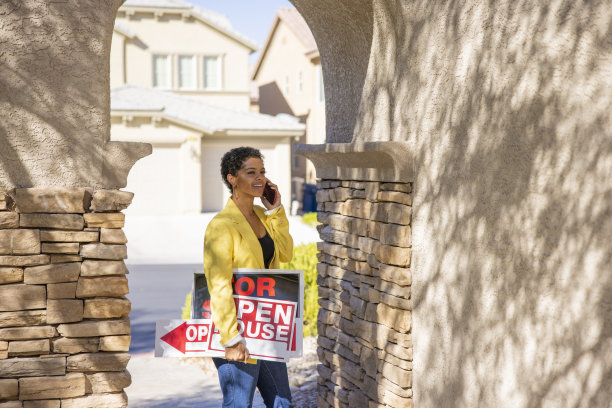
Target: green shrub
[304,258]
[310,219]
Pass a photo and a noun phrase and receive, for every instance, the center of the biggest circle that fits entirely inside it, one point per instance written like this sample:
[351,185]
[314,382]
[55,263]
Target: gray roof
[198,114]
[213,18]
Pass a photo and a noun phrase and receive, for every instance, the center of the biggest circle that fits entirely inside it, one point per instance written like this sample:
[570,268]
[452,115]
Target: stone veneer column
[364,277]
[64,331]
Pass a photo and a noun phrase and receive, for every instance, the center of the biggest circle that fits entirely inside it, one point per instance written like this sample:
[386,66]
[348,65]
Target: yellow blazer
[230,243]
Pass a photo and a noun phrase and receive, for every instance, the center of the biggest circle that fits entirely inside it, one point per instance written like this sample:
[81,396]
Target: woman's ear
[231,179]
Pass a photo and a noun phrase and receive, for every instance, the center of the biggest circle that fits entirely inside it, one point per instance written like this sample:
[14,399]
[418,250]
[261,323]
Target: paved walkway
[173,383]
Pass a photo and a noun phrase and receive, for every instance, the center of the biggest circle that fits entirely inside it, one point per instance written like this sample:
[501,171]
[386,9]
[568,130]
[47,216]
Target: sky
[252,18]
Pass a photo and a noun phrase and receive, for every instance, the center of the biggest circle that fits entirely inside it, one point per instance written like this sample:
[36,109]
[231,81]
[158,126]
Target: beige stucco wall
[506,107]
[176,36]
[54,96]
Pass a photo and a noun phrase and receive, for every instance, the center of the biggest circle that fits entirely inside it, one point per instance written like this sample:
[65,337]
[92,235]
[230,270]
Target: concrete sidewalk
[174,383]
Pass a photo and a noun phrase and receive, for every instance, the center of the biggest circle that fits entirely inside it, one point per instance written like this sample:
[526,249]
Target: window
[187,71]
[161,71]
[299,82]
[320,88]
[212,73]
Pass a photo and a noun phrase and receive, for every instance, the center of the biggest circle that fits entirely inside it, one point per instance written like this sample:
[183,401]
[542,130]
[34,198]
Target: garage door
[155,180]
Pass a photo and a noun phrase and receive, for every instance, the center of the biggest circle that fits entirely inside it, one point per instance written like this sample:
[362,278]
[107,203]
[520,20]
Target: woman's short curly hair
[233,161]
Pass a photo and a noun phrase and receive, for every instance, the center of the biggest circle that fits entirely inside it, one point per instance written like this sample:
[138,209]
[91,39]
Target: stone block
[4,346]
[110,200]
[95,362]
[27,333]
[52,403]
[396,319]
[52,200]
[356,208]
[64,310]
[23,318]
[61,290]
[53,273]
[115,343]
[109,381]
[62,258]
[10,275]
[112,236]
[9,220]
[393,301]
[394,388]
[400,276]
[11,404]
[23,260]
[322,196]
[95,328]
[115,400]
[392,213]
[69,236]
[54,221]
[102,268]
[9,389]
[401,187]
[32,367]
[357,399]
[19,242]
[395,197]
[103,251]
[106,308]
[396,256]
[396,361]
[29,348]
[60,248]
[77,345]
[397,375]
[371,191]
[105,220]
[107,286]
[396,235]
[347,326]
[372,334]
[398,351]
[67,386]
[22,297]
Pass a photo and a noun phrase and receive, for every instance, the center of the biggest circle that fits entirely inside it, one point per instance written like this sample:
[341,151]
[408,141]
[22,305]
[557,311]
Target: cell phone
[269,193]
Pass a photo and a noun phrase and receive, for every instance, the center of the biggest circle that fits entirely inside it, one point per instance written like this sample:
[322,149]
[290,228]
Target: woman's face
[250,179]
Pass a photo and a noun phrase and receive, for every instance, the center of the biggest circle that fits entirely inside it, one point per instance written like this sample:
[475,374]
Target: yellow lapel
[245,230]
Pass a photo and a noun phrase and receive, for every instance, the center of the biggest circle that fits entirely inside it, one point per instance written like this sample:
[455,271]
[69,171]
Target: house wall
[284,59]
[505,108]
[173,170]
[173,35]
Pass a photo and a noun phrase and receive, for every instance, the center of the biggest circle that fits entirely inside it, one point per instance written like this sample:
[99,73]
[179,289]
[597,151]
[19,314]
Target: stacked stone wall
[364,278]
[64,330]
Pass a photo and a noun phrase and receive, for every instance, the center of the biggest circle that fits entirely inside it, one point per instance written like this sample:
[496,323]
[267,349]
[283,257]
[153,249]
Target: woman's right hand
[237,352]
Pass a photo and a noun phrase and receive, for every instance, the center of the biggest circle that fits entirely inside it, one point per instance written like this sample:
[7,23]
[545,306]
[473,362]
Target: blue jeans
[238,382]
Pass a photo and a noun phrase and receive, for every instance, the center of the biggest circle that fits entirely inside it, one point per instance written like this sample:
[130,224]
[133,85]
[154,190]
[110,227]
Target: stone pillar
[364,277]
[64,330]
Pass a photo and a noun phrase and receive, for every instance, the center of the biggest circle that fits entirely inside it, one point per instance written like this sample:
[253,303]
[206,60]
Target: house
[180,80]
[289,78]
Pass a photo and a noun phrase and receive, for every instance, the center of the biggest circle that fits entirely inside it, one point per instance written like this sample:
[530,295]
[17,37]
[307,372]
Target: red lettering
[250,286]
[265,285]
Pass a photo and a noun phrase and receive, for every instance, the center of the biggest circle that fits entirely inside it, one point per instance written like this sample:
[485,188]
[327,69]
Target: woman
[244,235]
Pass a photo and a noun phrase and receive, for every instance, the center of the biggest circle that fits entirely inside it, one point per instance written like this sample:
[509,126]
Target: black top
[267,247]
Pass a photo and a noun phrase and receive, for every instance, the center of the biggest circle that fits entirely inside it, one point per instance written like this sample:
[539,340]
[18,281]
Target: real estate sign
[269,307]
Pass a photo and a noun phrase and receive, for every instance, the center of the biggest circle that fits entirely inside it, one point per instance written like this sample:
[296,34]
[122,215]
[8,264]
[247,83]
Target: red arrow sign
[177,337]
[188,333]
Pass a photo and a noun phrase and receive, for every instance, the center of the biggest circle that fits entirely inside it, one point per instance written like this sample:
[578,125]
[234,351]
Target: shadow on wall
[54,93]
[272,101]
[508,107]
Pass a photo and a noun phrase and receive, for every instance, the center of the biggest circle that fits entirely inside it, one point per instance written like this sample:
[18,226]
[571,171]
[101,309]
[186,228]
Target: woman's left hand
[277,203]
